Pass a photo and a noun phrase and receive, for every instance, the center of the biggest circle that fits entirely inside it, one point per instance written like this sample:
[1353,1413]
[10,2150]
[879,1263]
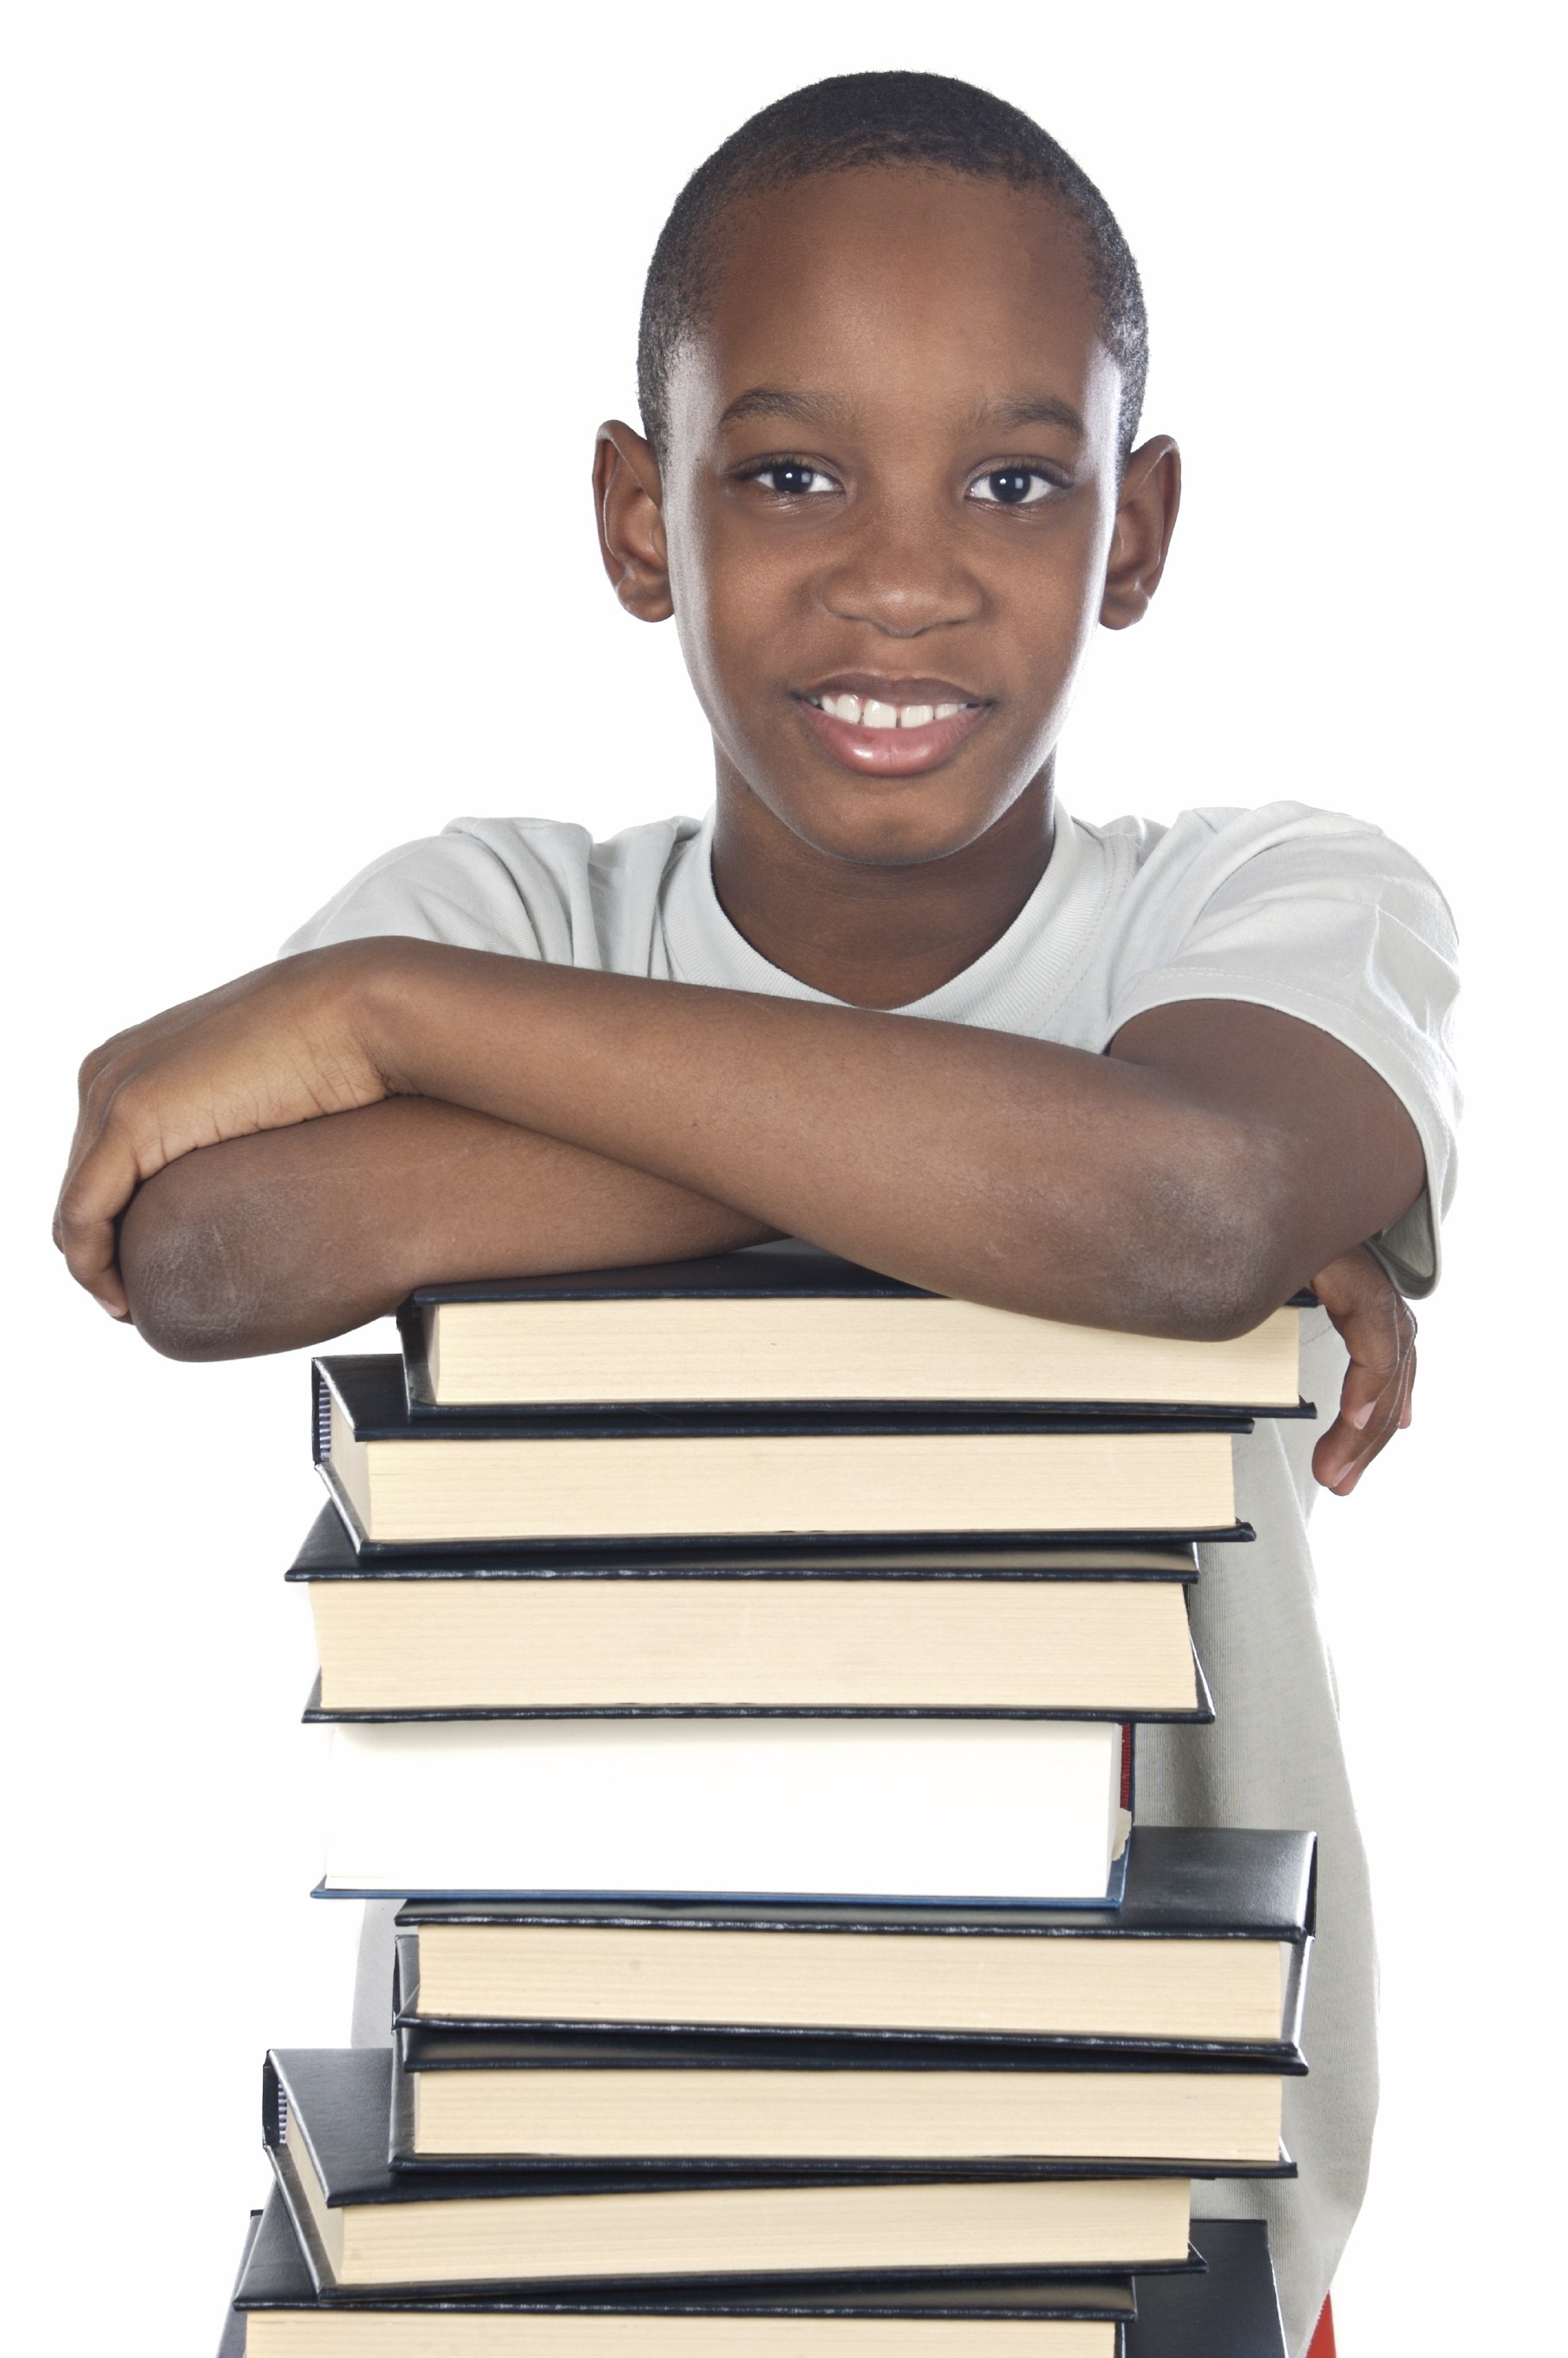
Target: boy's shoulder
[1172,875]
[526,887]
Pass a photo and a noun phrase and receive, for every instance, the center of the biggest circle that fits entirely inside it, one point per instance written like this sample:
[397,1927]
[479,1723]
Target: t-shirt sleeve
[480,885]
[1326,919]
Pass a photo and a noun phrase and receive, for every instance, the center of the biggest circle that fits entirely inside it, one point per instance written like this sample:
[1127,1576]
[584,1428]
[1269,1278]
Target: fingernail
[1360,1417]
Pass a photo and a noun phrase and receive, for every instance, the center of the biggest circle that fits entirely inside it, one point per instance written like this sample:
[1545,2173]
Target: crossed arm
[299,1148]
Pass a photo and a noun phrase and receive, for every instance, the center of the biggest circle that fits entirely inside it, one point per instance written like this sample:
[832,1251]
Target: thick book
[1098,1633]
[1207,1952]
[784,1324]
[279,2314]
[478,2100]
[363,2224]
[406,1481]
[900,1807]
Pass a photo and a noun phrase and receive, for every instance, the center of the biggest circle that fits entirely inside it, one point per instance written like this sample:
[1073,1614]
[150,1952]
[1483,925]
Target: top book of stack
[787,1326]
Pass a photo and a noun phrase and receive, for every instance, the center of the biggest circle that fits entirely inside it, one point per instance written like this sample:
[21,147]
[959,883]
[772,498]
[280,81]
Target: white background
[312,311]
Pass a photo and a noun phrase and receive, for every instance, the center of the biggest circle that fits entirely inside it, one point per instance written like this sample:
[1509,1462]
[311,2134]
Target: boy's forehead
[883,289]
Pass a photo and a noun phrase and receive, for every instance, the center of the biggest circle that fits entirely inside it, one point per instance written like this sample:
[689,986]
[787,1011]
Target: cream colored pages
[1094,2222]
[1146,1988]
[706,1485]
[820,1347]
[691,2114]
[1112,1645]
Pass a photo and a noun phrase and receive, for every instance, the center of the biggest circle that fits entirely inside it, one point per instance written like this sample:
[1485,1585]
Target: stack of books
[735,1669]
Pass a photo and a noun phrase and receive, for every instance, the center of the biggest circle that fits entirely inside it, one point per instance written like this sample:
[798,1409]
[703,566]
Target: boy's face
[889,506]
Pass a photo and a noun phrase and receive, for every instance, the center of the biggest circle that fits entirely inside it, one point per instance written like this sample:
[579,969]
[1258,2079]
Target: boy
[890,369]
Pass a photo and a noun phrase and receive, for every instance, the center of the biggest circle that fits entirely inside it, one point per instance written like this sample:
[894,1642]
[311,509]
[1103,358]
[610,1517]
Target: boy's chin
[882,822]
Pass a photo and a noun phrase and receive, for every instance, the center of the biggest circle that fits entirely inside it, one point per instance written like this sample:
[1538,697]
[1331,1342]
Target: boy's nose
[903,578]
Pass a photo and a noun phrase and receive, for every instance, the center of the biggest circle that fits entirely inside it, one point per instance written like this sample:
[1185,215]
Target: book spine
[275,2109]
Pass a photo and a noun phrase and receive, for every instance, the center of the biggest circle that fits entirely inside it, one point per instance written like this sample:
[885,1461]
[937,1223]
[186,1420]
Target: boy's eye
[792,478]
[1012,487]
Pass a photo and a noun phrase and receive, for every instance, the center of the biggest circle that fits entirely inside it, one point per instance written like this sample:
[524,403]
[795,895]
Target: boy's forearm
[291,1235]
[1008,1170]
[1215,1158]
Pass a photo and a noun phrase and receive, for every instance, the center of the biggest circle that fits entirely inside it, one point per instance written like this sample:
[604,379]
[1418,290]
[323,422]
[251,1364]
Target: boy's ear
[1145,519]
[628,499]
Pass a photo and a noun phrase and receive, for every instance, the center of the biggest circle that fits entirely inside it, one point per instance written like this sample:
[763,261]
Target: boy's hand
[1375,1322]
[274,1048]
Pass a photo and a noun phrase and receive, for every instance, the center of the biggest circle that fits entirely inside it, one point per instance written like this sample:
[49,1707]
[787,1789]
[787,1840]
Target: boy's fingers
[103,1174]
[276,1047]
[1342,1471]
[1379,1334]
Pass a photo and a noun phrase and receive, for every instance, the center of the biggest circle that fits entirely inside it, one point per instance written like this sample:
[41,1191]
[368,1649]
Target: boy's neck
[874,935]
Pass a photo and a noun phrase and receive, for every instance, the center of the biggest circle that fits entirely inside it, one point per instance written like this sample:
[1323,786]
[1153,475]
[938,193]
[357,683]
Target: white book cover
[919,1808]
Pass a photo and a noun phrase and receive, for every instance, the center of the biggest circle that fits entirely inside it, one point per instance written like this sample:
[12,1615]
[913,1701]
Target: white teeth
[871,714]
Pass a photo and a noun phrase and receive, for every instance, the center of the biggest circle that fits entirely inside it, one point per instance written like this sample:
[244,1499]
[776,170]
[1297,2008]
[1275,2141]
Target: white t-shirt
[1316,915]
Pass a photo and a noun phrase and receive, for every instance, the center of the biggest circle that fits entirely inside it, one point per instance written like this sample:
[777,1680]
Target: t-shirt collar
[1012,986]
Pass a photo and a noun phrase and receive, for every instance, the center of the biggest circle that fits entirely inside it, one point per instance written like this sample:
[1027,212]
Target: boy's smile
[889,517]
[892,727]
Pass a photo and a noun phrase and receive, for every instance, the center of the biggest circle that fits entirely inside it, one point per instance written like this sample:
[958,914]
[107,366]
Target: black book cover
[787,1268]
[1183,1883]
[422,2048]
[784,1266]
[232,2344]
[1229,2310]
[368,1389]
[329,1552]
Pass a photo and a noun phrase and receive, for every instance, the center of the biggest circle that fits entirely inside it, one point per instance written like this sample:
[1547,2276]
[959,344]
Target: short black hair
[918,120]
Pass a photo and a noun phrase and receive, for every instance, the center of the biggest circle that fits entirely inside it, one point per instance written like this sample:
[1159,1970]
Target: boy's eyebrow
[774,401]
[1030,410]
[1014,411]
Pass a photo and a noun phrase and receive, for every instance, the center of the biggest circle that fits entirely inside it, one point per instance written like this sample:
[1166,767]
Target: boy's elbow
[183,1276]
[1228,1256]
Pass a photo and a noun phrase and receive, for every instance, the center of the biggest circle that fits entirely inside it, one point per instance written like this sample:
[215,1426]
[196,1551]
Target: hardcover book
[278,2314]
[406,1481]
[1206,1952]
[1060,1631]
[785,1323]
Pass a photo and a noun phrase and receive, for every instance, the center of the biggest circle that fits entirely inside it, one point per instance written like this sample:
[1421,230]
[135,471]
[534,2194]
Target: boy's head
[867,122]
[891,362]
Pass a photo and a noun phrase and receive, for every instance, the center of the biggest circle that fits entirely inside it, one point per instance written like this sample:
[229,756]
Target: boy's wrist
[417,1013]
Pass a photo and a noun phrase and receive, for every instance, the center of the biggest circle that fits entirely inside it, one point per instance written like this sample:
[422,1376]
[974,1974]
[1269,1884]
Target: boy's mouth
[890,728]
